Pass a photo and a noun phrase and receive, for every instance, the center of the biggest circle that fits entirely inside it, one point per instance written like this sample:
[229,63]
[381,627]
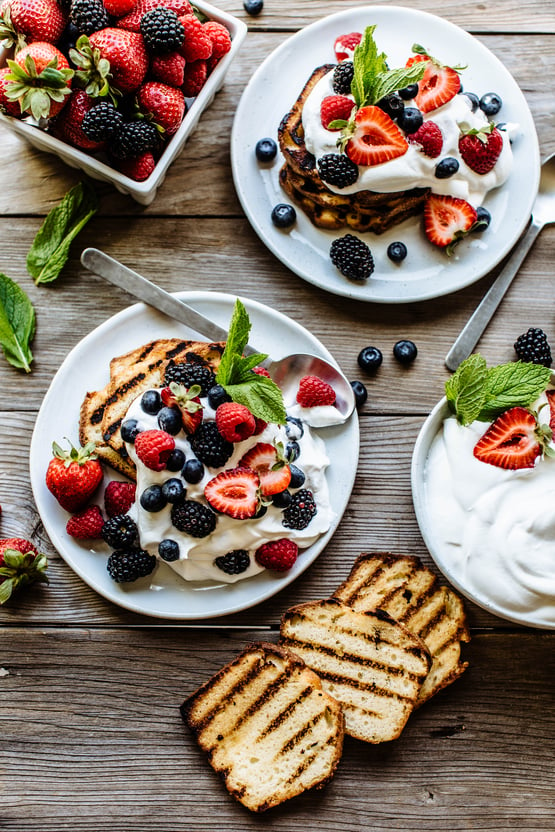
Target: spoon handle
[470,334]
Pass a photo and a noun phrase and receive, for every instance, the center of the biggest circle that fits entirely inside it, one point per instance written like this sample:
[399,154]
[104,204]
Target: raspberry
[352,257]
[138,168]
[532,346]
[120,532]
[197,44]
[87,525]
[300,511]
[193,518]
[430,139]
[235,421]
[345,45]
[279,555]
[125,565]
[261,371]
[153,448]
[337,169]
[335,107]
[193,78]
[170,69]
[220,37]
[235,562]
[343,77]
[209,446]
[313,391]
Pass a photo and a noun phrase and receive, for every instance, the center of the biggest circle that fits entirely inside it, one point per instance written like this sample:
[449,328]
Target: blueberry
[253,7]
[483,218]
[283,215]
[408,93]
[173,490]
[392,105]
[151,402]
[410,119]
[282,500]
[168,549]
[293,427]
[360,391]
[176,460]
[152,498]
[129,430]
[266,150]
[292,451]
[490,103]
[217,396]
[405,351]
[297,477]
[193,471]
[169,419]
[473,100]
[369,358]
[446,168]
[397,251]
[262,509]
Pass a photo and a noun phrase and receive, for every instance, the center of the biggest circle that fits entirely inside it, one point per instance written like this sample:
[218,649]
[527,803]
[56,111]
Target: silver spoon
[543,213]
[286,372]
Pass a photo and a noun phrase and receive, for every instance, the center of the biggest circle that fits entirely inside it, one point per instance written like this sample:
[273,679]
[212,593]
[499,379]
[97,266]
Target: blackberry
[88,16]
[337,169]
[162,31]
[209,446]
[193,518]
[125,565]
[343,77]
[120,531]
[352,257]
[234,562]
[101,122]
[190,373]
[133,138]
[532,346]
[300,511]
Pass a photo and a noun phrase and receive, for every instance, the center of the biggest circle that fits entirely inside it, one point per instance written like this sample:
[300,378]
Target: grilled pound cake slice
[407,590]
[267,726]
[368,661]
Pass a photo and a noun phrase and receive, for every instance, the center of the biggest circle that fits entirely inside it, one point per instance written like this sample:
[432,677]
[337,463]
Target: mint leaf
[512,385]
[466,389]
[237,340]
[50,248]
[397,79]
[17,324]
[372,78]
[262,396]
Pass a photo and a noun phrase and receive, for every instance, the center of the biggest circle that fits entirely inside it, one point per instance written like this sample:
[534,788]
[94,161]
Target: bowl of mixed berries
[113,87]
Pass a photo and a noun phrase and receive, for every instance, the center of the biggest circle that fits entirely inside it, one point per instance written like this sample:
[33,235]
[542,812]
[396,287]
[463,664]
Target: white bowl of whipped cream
[490,531]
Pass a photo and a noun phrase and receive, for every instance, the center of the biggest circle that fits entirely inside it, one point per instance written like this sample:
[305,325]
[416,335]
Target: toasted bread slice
[368,661]
[413,595]
[267,726]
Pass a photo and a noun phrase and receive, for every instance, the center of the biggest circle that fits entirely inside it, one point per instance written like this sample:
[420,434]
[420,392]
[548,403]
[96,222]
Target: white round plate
[163,593]
[427,272]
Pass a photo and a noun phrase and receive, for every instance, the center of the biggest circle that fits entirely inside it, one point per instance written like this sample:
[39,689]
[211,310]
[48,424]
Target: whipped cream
[496,527]
[414,169]
[197,555]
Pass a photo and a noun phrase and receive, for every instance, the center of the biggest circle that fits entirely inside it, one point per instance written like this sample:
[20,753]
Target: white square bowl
[143,192]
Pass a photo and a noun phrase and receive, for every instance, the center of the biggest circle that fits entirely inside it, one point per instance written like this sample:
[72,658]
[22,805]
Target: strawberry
[480,149]
[40,79]
[194,76]
[87,525]
[197,44]
[10,108]
[68,124]
[438,85]
[187,401]
[132,21]
[153,448]
[429,138]
[170,69]
[74,475]
[119,8]
[234,492]
[313,391]
[374,138]
[447,219]
[166,104]
[119,497]
[31,20]
[270,465]
[513,441]
[220,37]
[126,53]
[335,107]
[20,565]
[139,167]
[234,421]
[279,555]
[551,401]
[345,45]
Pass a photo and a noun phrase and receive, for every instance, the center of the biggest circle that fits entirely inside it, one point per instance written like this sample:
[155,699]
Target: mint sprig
[17,324]
[475,392]
[260,394]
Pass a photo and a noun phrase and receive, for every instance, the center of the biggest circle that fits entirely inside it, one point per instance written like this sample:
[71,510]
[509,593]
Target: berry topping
[193,518]
[533,346]
[266,150]
[392,104]
[447,219]
[176,460]
[283,215]
[169,420]
[235,421]
[369,358]
[342,77]
[473,100]
[119,497]
[173,490]
[352,257]
[168,550]
[360,391]
[396,251]
[300,511]
[73,476]
[120,532]
[235,562]
[337,169]
[480,149]
[273,472]
[408,93]
[405,351]
[293,427]
[483,218]
[297,477]
[88,16]
[152,499]
[374,138]
[153,448]
[217,396]
[86,525]
[134,138]
[345,45]
[410,120]
[130,430]
[314,391]
[335,107]
[438,85]
[490,104]
[429,138]
[126,565]
[514,440]
[209,446]
[151,402]
[447,167]
[186,402]
[279,555]
[189,374]
[193,471]
[234,492]
[21,565]
[162,30]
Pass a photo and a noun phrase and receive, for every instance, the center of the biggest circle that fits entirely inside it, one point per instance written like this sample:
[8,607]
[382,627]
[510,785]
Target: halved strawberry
[188,402]
[373,138]
[514,440]
[271,467]
[345,45]
[438,85]
[234,492]
[447,219]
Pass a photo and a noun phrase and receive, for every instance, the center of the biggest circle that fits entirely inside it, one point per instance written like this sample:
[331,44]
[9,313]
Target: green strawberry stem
[20,570]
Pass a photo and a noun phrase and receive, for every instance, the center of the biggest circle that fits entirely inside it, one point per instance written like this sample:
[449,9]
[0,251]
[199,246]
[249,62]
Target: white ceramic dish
[427,272]
[426,516]
[164,594]
[143,192]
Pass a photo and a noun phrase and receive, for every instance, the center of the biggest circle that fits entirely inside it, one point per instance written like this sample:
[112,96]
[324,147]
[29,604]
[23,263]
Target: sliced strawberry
[188,402]
[480,149]
[438,85]
[345,45]
[271,467]
[375,138]
[234,492]
[447,219]
[512,441]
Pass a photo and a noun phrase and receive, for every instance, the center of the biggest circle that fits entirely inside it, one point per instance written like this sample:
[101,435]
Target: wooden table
[91,734]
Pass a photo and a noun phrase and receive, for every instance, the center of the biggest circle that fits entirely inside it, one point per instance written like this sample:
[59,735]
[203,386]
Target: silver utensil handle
[477,323]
